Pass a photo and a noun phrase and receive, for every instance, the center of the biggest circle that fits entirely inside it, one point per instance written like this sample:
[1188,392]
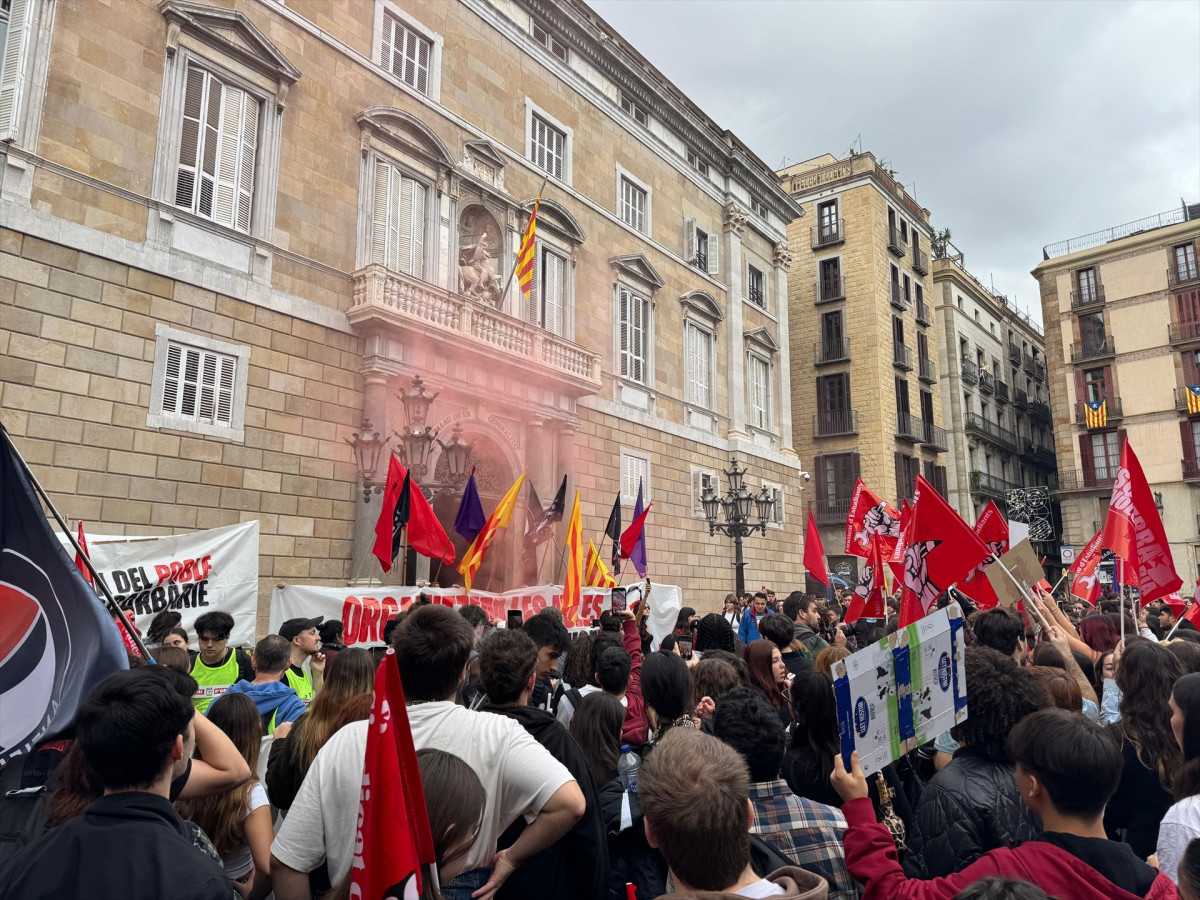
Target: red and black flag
[56,640]
[612,531]
[393,515]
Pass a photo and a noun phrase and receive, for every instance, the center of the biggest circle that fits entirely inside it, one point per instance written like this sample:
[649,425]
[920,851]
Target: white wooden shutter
[189,383]
[416,227]
[13,54]
[689,239]
[230,142]
[389,39]
[208,386]
[249,153]
[210,135]
[554,288]
[403,205]
[224,411]
[190,140]
[713,266]
[533,311]
[172,378]
[623,326]
[380,208]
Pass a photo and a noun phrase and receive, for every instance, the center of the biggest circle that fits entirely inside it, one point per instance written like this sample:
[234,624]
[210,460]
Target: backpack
[26,785]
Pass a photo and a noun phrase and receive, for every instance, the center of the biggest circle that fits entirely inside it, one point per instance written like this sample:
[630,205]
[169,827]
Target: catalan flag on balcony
[1095,413]
[596,574]
[526,255]
[1193,399]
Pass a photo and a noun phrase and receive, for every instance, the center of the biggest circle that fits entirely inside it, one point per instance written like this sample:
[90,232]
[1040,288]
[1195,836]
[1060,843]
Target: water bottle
[627,769]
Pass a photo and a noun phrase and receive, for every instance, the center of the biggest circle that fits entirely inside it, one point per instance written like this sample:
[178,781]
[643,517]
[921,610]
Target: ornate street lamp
[457,452]
[739,506]
[367,445]
[417,440]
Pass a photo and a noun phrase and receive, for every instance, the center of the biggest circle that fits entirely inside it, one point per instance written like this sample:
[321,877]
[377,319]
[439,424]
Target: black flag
[613,531]
[56,639]
[542,520]
[400,515]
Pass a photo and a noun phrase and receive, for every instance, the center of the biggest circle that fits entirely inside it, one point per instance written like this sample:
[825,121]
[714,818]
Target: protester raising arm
[218,766]
[1058,640]
[634,731]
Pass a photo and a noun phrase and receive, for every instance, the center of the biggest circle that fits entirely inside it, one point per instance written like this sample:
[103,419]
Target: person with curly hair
[972,805]
[1146,674]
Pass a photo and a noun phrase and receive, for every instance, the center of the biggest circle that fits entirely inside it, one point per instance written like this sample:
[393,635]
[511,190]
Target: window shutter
[1120,445]
[380,205]
[423,46]
[1108,387]
[554,293]
[403,204]
[1189,442]
[1187,305]
[224,414]
[533,309]
[819,473]
[172,378]
[229,145]
[190,382]
[713,263]
[12,65]
[246,175]
[189,141]
[689,239]
[900,472]
[1087,459]
[623,300]
[416,227]
[208,385]
[389,37]
[1080,387]
[1191,371]
[855,469]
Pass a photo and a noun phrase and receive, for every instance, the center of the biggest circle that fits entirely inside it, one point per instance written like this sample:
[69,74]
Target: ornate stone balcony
[387,299]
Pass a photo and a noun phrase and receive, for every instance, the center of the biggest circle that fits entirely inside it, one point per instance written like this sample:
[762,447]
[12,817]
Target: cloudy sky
[1017,124]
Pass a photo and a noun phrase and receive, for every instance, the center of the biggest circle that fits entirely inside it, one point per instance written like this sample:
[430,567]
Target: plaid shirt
[808,833]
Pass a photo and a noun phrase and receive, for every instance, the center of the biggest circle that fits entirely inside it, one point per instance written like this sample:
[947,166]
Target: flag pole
[517,259]
[1024,593]
[96,576]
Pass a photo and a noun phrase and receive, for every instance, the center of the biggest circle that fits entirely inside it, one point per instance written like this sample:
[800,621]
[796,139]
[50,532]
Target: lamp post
[417,440]
[739,506]
[367,444]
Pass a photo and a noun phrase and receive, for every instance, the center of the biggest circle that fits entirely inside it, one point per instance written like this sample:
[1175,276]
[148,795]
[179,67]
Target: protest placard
[1021,562]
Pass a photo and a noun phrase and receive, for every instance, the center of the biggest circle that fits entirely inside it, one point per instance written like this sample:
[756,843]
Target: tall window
[1094,385]
[1088,292]
[547,295]
[831,278]
[635,471]
[398,221]
[1185,262]
[633,204]
[1092,334]
[902,406]
[754,287]
[406,54]
[758,377]
[699,347]
[215,174]
[1106,454]
[633,320]
[833,396]
[832,335]
[827,221]
[547,146]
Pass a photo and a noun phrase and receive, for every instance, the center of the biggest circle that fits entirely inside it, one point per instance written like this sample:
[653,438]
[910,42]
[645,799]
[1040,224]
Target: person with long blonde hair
[238,821]
[345,697]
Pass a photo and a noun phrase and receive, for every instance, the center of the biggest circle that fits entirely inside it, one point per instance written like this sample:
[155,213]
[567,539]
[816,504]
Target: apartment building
[233,235]
[1121,309]
[993,384]
[864,349]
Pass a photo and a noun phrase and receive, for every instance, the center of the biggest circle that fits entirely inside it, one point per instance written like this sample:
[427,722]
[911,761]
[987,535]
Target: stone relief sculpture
[479,249]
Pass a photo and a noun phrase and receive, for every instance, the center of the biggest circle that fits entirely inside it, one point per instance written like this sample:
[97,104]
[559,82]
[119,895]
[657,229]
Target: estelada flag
[573,582]
[814,553]
[1193,399]
[56,640]
[500,517]
[1134,531]
[1085,581]
[993,531]
[1095,413]
[393,837]
[596,574]
[941,550]
[868,600]
[868,515]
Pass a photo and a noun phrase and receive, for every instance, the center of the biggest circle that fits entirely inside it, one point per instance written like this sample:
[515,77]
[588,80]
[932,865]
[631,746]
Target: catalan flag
[1095,413]
[526,255]
[573,584]
[500,517]
[596,574]
[1193,399]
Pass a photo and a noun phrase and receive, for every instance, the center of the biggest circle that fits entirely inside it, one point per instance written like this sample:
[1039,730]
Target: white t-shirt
[1179,826]
[518,774]
[566,709]
[239,862]
[761,888]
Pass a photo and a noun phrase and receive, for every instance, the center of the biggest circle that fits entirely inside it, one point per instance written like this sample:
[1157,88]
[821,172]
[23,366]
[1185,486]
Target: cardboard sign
[1022,562]
[903,691]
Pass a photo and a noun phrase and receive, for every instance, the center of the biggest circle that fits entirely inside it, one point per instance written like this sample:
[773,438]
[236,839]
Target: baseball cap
[292,627]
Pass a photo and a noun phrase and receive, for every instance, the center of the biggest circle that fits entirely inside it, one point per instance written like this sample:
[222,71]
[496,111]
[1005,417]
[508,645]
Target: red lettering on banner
[368,627]
[163,573]
[350,619]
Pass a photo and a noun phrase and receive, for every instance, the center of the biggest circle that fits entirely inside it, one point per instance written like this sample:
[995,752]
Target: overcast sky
[1017,124]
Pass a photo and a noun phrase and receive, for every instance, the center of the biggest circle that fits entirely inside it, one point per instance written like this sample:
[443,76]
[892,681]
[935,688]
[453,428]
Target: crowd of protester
[606,765]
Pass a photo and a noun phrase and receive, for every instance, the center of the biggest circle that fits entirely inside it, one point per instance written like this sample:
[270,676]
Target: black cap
[292,627]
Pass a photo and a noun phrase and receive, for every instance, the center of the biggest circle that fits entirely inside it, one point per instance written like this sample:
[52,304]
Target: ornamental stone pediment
[637,267]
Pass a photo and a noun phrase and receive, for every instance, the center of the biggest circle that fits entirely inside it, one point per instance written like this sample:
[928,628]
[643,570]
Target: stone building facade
[232,232]
[1121,309]
[993,384]
[864,350]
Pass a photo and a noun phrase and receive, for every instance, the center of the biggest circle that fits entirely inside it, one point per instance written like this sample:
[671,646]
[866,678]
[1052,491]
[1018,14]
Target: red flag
[896,562]
[991,528]
[629,537]
[814,553]
[1134,531]
[393,515]
[869,515]
[425,533]
[1174,601]
[1192,613]
[393,836]
[868,599]
[941,550]
[79,564]
[1085,581]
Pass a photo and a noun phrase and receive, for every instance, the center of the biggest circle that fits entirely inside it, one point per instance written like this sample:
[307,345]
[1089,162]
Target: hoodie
[273,698]
[1060,872]
[797,884]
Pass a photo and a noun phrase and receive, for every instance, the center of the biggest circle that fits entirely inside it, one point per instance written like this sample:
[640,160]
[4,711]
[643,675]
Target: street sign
[1067,555]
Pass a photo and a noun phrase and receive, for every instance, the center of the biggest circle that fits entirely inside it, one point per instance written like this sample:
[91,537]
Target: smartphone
[619,601]
[515,618]
[685,646]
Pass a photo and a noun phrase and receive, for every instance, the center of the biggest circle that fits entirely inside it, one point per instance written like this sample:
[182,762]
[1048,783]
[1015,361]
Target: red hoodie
[634,730]
[871,859]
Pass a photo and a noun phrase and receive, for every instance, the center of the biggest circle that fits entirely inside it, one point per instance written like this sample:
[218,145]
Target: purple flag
[469,520]
[638,556]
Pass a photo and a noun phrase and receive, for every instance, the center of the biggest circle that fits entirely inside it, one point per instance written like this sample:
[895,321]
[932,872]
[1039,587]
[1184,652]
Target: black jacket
[133,845]
[1137,808]
[632,858]
[284,773]
[970,807]
[577,865]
